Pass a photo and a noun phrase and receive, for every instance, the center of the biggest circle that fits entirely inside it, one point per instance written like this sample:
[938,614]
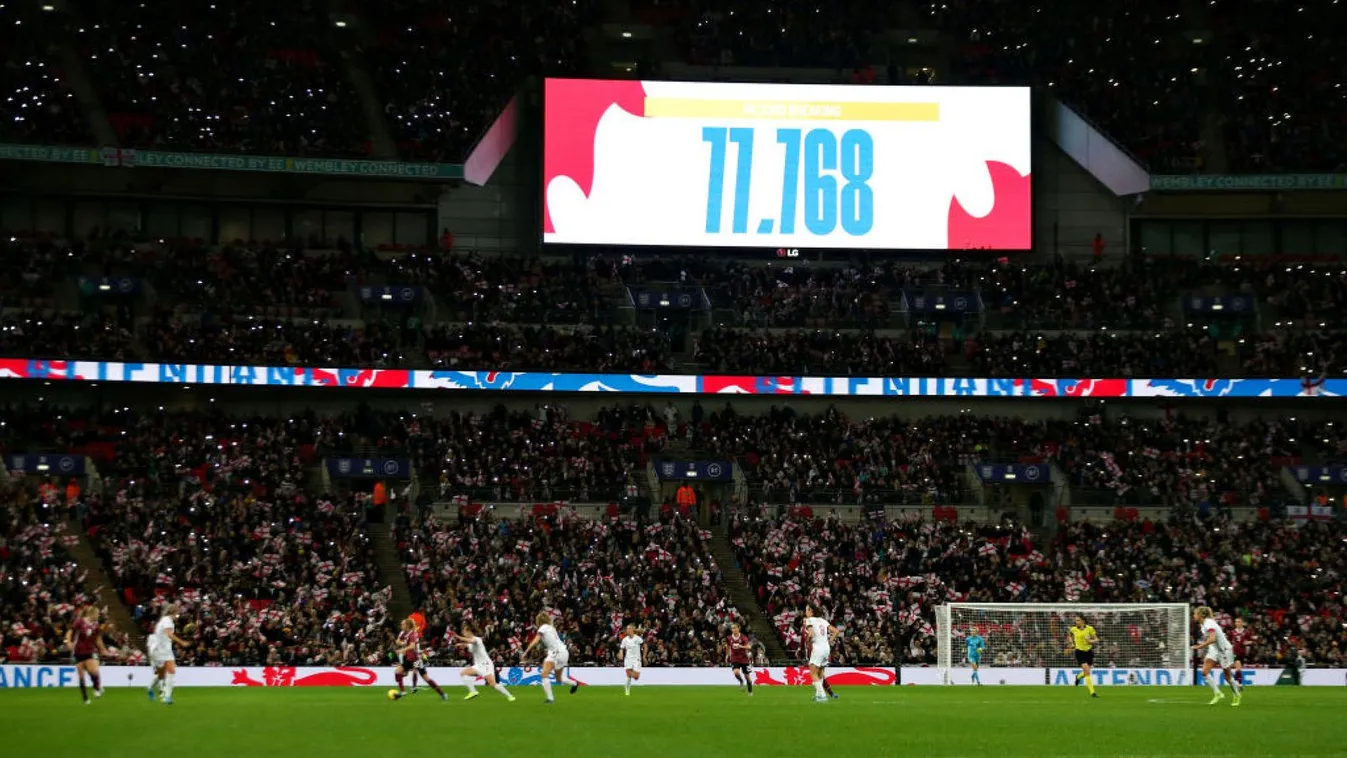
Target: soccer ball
[392,694]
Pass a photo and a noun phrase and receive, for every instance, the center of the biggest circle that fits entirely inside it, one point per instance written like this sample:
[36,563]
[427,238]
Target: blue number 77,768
[823,153]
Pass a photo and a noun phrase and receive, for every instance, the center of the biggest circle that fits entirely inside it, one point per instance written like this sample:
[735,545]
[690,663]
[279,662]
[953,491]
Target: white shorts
[484,669]
[157,660]
[559,660]
[631,665]
[818,655]
[1224,659]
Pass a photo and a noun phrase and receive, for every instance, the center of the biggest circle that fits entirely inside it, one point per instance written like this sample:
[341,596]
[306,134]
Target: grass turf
[679,722]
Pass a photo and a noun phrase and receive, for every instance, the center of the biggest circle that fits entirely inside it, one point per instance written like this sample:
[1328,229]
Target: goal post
[1136,638]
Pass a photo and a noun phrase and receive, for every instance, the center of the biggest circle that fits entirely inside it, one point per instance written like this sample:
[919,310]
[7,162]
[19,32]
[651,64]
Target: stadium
[656,377]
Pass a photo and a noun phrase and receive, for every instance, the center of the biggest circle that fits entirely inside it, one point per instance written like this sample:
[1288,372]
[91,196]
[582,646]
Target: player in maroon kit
[737,649]
[1241,637]
[85,640]
[409,659]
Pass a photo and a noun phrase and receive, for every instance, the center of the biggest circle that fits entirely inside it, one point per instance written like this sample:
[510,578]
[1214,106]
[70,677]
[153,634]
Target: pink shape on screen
[572,109]
[1009,224]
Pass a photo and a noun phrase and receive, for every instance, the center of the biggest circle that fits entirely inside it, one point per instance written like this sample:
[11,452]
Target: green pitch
[678,722]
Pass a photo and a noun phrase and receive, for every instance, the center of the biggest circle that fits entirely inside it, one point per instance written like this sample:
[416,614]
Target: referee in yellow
[1083,640]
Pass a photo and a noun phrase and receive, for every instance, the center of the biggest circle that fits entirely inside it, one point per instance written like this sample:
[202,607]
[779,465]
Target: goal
[1138,638]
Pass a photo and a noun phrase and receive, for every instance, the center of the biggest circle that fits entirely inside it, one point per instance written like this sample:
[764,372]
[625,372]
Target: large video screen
[718,164]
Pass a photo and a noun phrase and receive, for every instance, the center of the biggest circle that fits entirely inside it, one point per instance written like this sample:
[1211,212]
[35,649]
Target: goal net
[1138,643]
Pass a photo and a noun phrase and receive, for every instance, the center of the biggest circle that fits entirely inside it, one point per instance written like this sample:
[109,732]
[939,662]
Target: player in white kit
[1219,654]
[821,635]
[556,657]
[160,649]
[633,655]
[482,664]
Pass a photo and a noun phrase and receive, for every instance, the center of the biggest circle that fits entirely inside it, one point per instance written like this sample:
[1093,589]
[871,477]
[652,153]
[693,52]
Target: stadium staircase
[99,585]
[77,77]
[736,584]
[390,570]
[383,146]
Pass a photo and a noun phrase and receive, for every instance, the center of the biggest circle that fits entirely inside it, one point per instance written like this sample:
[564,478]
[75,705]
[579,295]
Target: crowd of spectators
[1133,309]
[1293,294]
[1133,294]
[214,512]
[1326,439]
[445,73]
[1277,74]
[32,265]
[57,335]
[819,353]
[881,582]
[1190,464]
[1285,579]
[247,76]
[528,348]
[1129,66]
[792,457]
[283,579]
[39,583]
[1190,353]
[1148,76]
[39,105]
[598,575]
[234,340]
[532,457]
[1298,353]
[800,33]
[261,78]
[512,289]
[253,279]
[237,339]
[803,296]
[878,582]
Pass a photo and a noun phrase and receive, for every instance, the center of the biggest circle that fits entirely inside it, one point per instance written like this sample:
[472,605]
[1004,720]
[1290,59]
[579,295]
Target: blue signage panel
[396,294]
[1334,473]
[48,464]
[368,468]
[1238,304]
[937,302]
[110,285]
[678,299]
[1014,473]
[716,471]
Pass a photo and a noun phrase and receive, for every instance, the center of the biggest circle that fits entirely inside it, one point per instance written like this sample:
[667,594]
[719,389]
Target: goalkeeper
[976,647]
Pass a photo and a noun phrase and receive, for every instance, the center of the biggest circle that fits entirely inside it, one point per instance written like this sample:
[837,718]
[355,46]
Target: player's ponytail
[1204,612]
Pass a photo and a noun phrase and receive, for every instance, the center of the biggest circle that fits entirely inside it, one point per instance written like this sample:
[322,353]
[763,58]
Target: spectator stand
[599,574]
[33,267]
[1278,86]
[250,77]
[480,287]
[283,280]
[248,340]
[850,513]
[64,335]
[1090,58]
[41,587]
[40,106]
[602,349]
[446,75]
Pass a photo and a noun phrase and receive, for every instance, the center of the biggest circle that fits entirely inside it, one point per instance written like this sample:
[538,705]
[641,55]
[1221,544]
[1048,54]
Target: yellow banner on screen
[789,110]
